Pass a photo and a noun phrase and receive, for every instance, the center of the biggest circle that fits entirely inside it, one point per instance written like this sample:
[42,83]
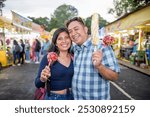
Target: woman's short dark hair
[78,19]
[53,47]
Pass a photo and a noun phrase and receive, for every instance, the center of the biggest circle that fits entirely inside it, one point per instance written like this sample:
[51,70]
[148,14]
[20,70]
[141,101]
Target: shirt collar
[86,44]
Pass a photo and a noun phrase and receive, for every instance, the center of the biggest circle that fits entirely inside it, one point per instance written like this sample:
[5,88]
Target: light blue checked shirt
[88,84]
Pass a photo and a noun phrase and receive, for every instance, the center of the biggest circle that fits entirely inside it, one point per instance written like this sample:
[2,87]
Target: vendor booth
[5,54]
[132,34]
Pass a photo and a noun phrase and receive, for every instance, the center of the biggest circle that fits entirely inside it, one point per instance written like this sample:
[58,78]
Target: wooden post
[140,39]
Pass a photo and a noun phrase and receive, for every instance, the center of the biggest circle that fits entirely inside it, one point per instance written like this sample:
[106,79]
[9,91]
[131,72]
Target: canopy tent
[138,18]
[5,23]
[22,24]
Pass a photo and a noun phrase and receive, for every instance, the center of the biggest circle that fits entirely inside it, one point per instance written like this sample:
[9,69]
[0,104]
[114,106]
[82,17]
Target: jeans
[44,52]
[22,57]
[37,56]
[54,96]
[16,56]
[27,55]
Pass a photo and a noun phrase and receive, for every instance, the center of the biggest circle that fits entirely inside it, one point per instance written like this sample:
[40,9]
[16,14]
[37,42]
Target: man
[91,81]
[22,51]
[37,50]
[46,46]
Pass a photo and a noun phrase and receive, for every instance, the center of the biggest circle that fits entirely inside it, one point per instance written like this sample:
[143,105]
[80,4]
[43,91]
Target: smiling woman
[58,75]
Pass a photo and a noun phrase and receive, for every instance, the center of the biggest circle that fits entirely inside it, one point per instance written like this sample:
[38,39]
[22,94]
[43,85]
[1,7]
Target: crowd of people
[25,52]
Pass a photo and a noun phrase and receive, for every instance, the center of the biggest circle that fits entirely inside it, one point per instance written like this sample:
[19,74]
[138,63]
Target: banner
[21,22]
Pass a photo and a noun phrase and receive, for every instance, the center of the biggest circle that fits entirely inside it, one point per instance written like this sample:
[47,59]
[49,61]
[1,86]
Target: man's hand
[97,58]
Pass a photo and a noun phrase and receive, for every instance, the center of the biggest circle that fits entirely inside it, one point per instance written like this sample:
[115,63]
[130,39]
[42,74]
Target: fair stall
[131,32]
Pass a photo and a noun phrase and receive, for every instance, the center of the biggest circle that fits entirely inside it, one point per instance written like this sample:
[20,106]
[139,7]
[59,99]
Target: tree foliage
[45,21]
[122,7]
[2,3]
[1,6]
[62,14]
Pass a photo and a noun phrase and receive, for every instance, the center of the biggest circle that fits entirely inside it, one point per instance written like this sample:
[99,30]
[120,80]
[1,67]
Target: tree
[61,15]
[1,6]
[45,21]
[122,7]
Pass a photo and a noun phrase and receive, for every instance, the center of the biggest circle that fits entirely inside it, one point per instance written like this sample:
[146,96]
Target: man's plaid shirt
[88,84]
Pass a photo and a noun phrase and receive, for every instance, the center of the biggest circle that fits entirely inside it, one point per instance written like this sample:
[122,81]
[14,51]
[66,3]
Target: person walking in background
[32,53]
[22,51]
[59,75]
[37,50]
[27,51]
[16,53]
[91,80]
[45,46]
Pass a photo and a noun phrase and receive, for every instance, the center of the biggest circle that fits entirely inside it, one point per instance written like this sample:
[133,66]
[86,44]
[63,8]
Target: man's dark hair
[78,19]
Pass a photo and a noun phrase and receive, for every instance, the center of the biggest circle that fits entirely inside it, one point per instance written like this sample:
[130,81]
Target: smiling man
[91,81]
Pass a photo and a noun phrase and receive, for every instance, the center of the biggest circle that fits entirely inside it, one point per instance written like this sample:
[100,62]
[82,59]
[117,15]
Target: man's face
[77,32]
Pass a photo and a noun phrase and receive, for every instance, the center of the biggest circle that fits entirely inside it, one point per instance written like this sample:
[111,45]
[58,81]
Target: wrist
[99,66]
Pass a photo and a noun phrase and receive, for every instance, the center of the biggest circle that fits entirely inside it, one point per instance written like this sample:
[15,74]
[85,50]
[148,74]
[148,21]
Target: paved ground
[135,83]
[17,83]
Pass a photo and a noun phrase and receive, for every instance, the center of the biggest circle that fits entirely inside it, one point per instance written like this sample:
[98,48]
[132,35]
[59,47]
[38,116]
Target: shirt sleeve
[109,59]
[43,63]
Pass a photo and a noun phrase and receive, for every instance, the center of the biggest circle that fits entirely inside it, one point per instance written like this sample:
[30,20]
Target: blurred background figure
[27,51]
[37,50]
[32,53]
[16,53]
[45,47]
[22,52]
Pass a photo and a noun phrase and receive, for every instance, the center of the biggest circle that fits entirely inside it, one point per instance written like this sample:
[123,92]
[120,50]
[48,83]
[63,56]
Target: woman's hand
[45,74]
[97,58]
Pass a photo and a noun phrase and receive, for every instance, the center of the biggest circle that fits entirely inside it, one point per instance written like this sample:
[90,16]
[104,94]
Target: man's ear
[86,29]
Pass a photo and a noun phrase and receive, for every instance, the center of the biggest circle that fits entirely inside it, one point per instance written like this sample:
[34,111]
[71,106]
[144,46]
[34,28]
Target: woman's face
[63,41]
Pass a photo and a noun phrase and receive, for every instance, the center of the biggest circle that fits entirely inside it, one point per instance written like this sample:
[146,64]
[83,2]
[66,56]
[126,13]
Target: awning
[5,23]
[21,21]
[22,27]
[138,18]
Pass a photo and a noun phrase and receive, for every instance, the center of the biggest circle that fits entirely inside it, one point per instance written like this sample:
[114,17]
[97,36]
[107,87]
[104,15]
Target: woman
[60,75]
[16,53]
[27,51]
[32,54]
[37,50]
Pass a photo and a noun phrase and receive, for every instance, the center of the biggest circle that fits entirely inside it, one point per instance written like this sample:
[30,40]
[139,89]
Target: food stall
[132,32]
[5,54]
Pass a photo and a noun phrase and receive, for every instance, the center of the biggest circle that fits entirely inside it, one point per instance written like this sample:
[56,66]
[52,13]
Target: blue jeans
[37,56]
[54,96]
[16,56]
[27,55]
